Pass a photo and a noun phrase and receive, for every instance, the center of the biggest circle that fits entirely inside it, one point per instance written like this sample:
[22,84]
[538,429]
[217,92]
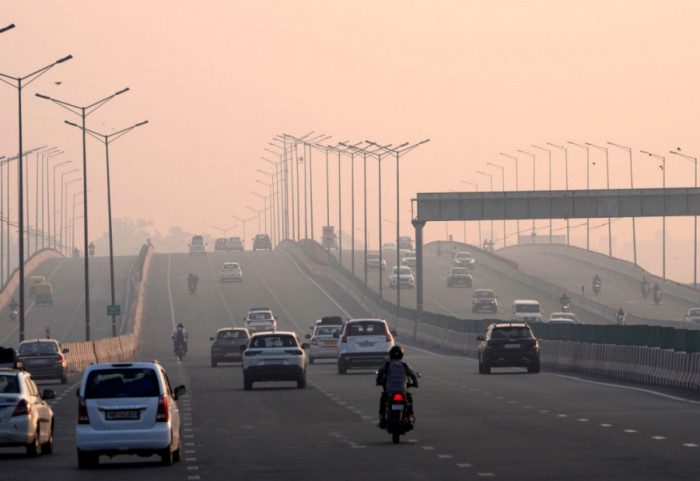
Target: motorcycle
[657,296]
[596,287]
[192,286]
[13,314]
[399,409]
[645,290]
[565,306]
[180,349]
[621,320]
[91,249]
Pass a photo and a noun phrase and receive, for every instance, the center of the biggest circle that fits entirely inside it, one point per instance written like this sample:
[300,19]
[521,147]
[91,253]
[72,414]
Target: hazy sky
[217,80]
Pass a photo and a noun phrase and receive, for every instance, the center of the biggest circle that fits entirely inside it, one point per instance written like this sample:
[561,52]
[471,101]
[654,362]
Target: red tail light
[162,416]
[345,337]
[313,341]
[389,338]
[398,397]
[83,417]
[23,408]
[59,359]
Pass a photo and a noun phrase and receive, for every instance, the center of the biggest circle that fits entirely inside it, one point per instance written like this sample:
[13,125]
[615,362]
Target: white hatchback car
[260,319]
[363,343]
[231,271]
[274,356]
[127,408]
[26,419]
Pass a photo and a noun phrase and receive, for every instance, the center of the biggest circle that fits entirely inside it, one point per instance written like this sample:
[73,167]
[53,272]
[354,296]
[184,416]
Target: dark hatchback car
[509,345]
[484,300]
[262,241]
[226,345]
[459,276]
[44,359]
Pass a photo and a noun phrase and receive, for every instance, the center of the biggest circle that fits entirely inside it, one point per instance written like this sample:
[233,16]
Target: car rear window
[232,335]
[527,308]
[34,347]
[484,294]
[366,329]
[511,333]
[326,331]
[9,384]
[274,341]
[125,382]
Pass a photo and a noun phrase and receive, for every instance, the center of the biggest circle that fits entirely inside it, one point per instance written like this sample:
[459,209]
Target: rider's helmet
[396,352]
[180,326]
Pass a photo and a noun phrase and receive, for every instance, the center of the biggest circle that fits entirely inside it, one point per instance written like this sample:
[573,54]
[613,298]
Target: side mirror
[308,336]
[211,338]
[305,345]
[179,391]
[480,338]
[48,394]
[65,350]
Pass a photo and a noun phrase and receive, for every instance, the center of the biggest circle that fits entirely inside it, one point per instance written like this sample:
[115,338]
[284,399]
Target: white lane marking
[658,438]
[486,475]
[464,465]
[444,456]
[605,425]
[690,445]
[630,431]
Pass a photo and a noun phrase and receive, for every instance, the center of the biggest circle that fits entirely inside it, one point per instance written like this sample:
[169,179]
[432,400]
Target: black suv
[262,241]
[509,344]
[484,300]
[459,276]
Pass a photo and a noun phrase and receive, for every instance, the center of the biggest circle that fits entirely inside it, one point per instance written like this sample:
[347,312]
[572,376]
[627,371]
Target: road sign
[113,310]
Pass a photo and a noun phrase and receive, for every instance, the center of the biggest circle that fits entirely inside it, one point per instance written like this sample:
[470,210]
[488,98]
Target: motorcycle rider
[393,376]
[14,306]
[620,316]
[645,286]
[180,335]
[564,300]
[439,248]
[192,279]
[657,291]
[596,282]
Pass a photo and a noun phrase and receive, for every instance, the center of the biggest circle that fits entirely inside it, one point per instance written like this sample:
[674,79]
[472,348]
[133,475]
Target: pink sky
[218,79]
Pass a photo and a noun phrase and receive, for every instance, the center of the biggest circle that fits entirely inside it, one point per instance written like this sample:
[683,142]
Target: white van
[526,310]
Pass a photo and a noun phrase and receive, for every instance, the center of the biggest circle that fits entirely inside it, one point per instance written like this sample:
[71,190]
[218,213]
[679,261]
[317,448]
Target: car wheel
[213,362]
[47,447]
[534,367]
[486,367]
[33,445]
[166,457]
[87,460]
[301,382]
[178,451]
[342,368]
[247,383]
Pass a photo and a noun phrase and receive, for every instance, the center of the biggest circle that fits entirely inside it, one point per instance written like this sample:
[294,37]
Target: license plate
[397,407]
[130,415]
[274,362]
[512,346]
[365,344]
[330,343]
[38,362]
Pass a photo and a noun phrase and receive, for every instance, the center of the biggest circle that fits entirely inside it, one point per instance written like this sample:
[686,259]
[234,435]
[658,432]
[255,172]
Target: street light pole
[588,168]
[517,222]
[17,83]
[83,112]
[695,241]
[53,204]
[607,181]
[634,228]
[566,177]
[549,155]
[663,225]
[503,185]
[244,223]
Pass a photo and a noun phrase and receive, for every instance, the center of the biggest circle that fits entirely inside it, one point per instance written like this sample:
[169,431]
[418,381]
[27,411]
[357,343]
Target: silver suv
[127,408]
[363,343]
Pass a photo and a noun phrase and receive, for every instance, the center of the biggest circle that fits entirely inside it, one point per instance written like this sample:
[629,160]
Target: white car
[409,259]
[274,356]
[323,343]
[563,315]
[693,314]
[373,261]
[526,310]
[465,259]
[260,319]
[402,277]
[197,246]
[363,343]
[231,271]
[26,419]
[127,408]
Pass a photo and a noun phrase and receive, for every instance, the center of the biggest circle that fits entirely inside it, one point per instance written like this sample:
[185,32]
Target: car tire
[87,460]
[32,446]
[213,363]
[534,367]
[166,457]
[301,382]
[247,383]
[342,368]
[47,447]
[486,367]
[177,454]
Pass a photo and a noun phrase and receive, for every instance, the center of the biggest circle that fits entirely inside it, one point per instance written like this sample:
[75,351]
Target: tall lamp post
[490,176]
[549,155]
[245,221]
[17,83]
[662,166]
[588,186]
[566,179]
[64,212]
[607,186]
[271,187]
[694,160]
[106,139]
[517,222]
[83,112]
[634,227]
[53,214]
[503,185]
[534,169]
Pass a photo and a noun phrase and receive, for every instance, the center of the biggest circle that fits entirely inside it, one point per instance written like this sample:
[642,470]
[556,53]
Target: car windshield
[366,329]
[198,239]
[694,312]
[484,294]
[232,335]
[527,308]
[9,384]
[511,333]
[259,316]
[121,382]
[44,347]
[273,341]
[460,270]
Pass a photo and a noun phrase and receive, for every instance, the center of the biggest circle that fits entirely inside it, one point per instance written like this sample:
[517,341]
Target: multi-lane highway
[509,425]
